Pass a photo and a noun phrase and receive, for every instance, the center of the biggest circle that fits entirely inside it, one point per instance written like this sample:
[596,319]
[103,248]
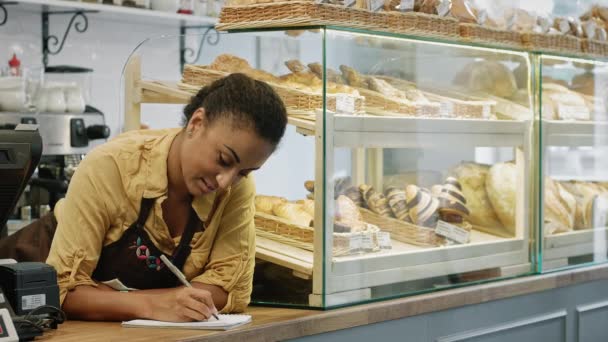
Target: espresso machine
[66,138]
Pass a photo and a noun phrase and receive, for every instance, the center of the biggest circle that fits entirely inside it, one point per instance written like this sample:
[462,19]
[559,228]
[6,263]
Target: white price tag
[345,104]
[367,243]
[384,240]
[355,243]
[33,301]
[375,5]
[406,5]
[452,232]
[446,109]
[566,112]
[486,111]
[349,3]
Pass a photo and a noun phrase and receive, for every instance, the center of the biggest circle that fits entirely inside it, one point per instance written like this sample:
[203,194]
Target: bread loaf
[501,186]
[472,178]
[560,208]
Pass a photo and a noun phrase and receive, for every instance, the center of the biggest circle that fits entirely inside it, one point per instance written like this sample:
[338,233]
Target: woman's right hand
[181,304]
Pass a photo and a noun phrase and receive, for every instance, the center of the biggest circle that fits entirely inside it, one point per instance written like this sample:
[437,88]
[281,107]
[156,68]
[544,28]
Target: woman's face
[218,155]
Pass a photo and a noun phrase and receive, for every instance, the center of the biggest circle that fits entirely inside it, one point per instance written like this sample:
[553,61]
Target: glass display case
[574,151]
[407,165]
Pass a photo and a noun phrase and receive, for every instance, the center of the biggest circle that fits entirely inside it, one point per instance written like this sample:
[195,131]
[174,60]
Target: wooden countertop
[276,324]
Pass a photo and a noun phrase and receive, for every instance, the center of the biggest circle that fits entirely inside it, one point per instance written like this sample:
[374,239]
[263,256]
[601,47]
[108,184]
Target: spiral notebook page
[225,322]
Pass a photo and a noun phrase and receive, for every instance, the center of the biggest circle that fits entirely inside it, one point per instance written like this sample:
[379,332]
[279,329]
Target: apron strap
[183,249]
[144,212]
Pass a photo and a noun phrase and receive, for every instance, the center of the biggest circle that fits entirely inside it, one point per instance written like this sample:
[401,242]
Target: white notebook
[225,322]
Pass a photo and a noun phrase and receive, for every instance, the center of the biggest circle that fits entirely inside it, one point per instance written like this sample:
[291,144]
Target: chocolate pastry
[398,203]
[422,206]
[375,200]
[452,203]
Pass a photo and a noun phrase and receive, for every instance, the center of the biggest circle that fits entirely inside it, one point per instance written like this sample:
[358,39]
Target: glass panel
[284,220]
[431,178]
[574,150]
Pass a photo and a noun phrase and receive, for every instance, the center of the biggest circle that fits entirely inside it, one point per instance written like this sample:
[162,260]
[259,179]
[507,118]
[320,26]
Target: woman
[186,193]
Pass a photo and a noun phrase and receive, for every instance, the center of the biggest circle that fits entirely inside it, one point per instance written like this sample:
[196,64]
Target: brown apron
[133,258]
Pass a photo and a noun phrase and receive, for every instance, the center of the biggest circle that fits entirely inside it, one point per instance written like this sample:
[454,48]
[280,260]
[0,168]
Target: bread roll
[472,178]
[346,210]
[265,204]
[308,206]
[501,186]
[294,213]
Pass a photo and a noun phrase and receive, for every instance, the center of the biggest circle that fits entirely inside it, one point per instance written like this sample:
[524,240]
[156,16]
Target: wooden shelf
[574,133]
[110,12]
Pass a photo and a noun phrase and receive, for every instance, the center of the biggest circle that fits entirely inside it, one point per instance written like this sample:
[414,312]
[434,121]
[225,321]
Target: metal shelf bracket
[4,12]
[51,44]
[187,54]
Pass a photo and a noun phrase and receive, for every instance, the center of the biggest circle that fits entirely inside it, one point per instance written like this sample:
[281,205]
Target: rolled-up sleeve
[83,218]
[232,258]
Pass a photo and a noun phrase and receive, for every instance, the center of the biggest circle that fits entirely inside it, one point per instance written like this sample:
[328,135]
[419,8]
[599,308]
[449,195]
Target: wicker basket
[281,230]
[404,231]
[307,13]
[449,106]
[462,108]
[482,34]
[377,103]
[594,47]
[195,76]
[551,42]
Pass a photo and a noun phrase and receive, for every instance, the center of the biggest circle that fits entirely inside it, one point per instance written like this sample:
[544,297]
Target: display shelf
[404,262]
[381,131]
[559,247]
[574,133]
[110,12]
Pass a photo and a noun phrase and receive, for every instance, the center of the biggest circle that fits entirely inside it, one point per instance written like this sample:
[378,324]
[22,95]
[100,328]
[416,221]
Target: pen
[179,275]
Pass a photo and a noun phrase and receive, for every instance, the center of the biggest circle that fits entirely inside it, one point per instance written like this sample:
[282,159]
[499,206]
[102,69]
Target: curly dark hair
[248,102]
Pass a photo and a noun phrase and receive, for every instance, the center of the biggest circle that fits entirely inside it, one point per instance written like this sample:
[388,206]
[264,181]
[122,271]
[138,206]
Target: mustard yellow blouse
[104,198]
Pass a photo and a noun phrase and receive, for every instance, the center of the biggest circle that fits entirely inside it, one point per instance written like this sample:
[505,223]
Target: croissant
[265,204]
[452,203]
[293,212]
[375,201]
[346,210]
[397,202]
[353,77]
[355,195]
[422,206]
[295,66]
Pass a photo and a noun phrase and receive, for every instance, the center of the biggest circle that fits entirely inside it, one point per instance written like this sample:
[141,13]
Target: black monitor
[20,152]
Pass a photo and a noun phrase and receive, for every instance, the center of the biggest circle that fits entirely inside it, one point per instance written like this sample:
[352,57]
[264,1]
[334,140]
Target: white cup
[12,100]
[73,99]
[55,99]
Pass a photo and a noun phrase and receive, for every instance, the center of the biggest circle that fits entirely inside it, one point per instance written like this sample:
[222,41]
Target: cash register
[29,295]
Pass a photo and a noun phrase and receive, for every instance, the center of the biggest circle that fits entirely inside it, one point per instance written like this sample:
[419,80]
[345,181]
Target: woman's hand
[182,304]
